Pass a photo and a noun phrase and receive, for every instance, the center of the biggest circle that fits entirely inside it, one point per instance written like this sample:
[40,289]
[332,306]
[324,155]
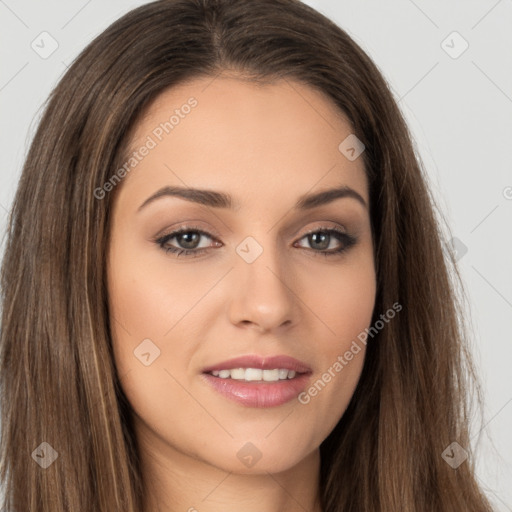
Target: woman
[173,338]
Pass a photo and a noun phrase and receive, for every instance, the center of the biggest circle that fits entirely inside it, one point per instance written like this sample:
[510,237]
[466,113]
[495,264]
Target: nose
[263,296]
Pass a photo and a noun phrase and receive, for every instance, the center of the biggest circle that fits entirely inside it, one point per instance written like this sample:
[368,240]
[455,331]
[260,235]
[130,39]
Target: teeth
[271,375]
[255,374]
[283,374]
[237,373]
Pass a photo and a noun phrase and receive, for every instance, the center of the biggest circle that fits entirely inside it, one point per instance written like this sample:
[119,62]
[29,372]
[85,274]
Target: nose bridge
[260,256]
[263,294]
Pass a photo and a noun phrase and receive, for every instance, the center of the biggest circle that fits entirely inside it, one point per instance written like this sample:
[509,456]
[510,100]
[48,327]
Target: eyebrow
[216,199]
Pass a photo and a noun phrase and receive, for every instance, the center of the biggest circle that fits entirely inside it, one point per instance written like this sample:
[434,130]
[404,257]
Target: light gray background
[459,111]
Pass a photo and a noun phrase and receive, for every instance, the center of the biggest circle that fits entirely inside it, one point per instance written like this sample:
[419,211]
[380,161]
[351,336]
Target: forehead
[246,138]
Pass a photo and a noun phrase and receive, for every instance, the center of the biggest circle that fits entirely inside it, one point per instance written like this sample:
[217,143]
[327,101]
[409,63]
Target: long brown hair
[57,374]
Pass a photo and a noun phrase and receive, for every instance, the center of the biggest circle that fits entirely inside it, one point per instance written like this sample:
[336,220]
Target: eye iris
[325,237]
[190,237]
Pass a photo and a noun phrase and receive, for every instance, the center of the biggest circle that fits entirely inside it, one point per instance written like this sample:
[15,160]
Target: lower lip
[261,393]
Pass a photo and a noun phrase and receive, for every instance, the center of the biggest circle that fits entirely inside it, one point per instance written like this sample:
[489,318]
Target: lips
[259,394]
[262,363]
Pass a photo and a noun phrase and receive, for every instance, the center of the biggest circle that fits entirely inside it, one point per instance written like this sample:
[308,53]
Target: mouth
[252,364]
[256,374]
[255,381]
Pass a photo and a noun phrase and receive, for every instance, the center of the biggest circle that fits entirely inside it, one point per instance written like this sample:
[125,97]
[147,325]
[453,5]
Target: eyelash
[347,240]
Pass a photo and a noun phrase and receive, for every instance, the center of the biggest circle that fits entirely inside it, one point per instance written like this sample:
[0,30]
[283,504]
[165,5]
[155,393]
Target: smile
[255,374]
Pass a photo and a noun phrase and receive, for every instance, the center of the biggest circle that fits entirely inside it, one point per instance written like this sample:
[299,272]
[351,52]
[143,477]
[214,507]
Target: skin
[266,145]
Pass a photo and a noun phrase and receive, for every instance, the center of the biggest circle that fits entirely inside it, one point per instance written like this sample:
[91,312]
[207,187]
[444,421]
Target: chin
[254,456]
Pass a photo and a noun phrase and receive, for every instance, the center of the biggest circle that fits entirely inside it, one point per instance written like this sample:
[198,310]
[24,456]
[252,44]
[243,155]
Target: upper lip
[262,363]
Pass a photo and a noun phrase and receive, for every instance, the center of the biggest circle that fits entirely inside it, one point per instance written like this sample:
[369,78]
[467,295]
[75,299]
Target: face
[258,271]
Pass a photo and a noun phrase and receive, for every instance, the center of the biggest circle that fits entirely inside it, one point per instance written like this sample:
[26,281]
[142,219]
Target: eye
[189,238]
[322,239]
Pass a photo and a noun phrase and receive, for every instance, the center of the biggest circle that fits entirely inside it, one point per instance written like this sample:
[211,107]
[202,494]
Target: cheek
[153,308]
[148,297]
[344,306]
[148,310]
[342,298]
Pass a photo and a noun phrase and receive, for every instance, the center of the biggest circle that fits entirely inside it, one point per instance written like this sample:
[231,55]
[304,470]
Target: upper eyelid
[179,231]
